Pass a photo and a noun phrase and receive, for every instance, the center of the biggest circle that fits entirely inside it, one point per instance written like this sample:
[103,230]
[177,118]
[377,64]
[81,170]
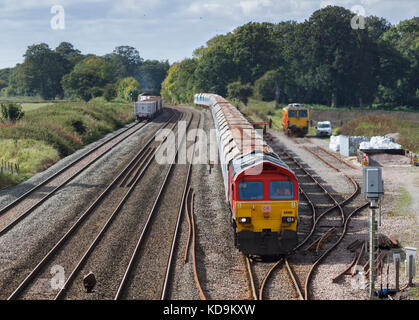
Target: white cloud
[170,28]
[200,8]
[254,6]
[137,6]
[13,5]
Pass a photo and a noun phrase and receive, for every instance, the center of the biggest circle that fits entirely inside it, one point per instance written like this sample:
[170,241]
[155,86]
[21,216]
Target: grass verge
[46,134]
[257,111]
[402,206]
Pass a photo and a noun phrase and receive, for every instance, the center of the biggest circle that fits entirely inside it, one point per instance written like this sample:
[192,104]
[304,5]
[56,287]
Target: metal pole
[397,274]
[372,249]
[410,261]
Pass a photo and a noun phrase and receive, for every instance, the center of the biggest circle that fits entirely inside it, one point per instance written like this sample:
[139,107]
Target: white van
[324,128]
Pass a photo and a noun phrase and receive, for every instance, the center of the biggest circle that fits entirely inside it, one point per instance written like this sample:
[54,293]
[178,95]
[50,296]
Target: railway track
[260,274]
[284,265]
[148,277]
[336,205]
[330,155]
[24,205]
[75,247]
[189,212]
[251,278]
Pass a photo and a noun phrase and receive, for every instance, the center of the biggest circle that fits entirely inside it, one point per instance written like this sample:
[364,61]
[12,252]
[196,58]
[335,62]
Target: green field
[369,125]
[51,131]
[34,106]
[257,110]
[21,99]
[378,125]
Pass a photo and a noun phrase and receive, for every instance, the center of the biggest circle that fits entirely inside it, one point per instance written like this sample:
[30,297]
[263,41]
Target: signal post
[373,190]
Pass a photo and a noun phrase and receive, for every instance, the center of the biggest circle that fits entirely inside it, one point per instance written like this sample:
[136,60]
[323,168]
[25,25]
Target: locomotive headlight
[288,219]
[245,220]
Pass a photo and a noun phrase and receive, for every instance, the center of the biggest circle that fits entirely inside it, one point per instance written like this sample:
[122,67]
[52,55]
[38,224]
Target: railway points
[158,213]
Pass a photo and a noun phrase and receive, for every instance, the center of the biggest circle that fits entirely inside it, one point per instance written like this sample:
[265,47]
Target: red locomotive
[261,190]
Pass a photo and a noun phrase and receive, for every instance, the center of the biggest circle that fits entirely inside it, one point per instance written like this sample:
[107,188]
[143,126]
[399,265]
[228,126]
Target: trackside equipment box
[373,185]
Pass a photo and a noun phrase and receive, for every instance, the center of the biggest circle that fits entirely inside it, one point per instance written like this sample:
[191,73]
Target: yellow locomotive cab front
[295,119]
[266,228]
[273,216]
[266,215]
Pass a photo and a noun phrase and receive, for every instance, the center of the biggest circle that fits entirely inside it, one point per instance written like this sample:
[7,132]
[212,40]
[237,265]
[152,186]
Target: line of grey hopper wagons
[238,147]
[148,107]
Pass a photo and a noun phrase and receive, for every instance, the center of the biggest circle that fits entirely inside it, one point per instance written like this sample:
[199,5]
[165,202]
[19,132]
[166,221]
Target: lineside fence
[9,167]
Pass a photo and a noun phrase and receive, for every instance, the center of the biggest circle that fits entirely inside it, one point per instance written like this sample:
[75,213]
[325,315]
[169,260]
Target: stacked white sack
[379,143]
[334,143]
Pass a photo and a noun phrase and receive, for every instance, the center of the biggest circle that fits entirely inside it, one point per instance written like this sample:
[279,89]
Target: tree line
[322,60]
[64,72]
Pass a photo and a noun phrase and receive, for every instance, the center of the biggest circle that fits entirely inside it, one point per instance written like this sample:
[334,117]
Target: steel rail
[79,221]
[195,271]
[323,238]
[354,183]
[251,278]
[99,236]
[332,154]
[74,162]
[135,173]
[317,219]
[140,241]
[179,215]
[132,185]
[267,275]
[294,280]
[347,269]
[51,193]
[364,247]
[188,220]
[142,158]
[314,265]
[337,204]
[344,221]
[290,274]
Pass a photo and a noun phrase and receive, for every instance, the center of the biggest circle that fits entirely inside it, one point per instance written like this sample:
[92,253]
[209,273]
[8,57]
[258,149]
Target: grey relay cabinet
[373,185]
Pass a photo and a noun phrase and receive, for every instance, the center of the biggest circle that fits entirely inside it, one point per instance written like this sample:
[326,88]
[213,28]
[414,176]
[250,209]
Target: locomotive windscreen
[281,190]
[251,190]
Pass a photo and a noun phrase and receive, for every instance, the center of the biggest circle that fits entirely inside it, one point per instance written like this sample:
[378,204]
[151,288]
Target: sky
[158,29]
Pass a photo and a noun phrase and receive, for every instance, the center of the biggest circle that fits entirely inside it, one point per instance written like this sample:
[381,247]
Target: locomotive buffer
[373,190]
